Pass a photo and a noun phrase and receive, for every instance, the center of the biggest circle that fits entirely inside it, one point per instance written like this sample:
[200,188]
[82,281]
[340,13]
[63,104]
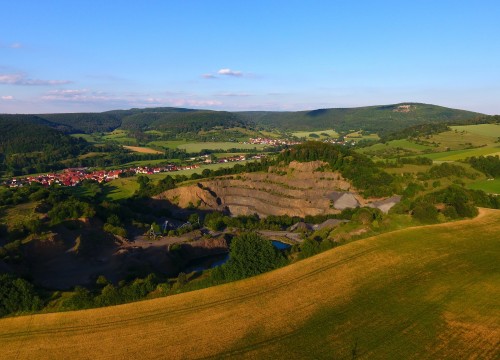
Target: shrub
[17,295]
[250,255]
[425,212]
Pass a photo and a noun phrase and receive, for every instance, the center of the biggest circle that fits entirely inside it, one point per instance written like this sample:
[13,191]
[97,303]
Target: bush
[425,212]
[17,295]
[250,255]
[215,221]
[116,230]
[309,248]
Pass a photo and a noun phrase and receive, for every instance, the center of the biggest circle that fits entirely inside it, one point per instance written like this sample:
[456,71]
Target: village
[74,176]
[271,142]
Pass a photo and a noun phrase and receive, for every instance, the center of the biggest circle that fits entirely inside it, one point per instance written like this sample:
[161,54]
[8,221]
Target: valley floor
[421,293]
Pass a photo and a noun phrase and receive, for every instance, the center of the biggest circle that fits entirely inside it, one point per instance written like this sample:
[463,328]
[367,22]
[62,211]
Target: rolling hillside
[377,119]
[23,136]
[422,293]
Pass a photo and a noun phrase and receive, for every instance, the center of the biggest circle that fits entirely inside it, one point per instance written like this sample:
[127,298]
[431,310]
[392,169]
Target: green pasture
[357,135]
[198,146]
[455,140]
[305,134]
[489,130]
[488,186]
[167,144]
[120,136]
[455,155]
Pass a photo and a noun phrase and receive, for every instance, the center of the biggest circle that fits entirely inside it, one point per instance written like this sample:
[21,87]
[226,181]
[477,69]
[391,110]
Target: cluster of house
[208,160]
[74,176]
[340,142]
[271,142]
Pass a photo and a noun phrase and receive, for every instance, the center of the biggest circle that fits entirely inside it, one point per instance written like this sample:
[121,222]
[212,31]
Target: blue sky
[67,56]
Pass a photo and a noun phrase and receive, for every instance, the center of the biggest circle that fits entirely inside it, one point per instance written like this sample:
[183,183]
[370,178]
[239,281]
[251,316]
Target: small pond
[281,245]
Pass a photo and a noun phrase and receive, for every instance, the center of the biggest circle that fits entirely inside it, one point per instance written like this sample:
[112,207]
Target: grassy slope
[198,146]
[460,143]
[482,129]
[422,293]
[489,186]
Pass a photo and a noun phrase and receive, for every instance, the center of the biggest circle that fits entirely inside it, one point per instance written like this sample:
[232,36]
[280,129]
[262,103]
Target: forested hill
[179,122]
[377,119]
[70,122]
[163,118]
[26,136]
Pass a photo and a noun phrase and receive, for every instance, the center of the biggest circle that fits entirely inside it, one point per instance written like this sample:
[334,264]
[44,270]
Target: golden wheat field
[430,292]
[141,149]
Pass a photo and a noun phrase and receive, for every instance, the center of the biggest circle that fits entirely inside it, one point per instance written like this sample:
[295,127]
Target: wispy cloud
[77,95]
[86,96]
[22,79]
[224,72]
[14,45]
[7,97]
[233,94]
[105,77]
[209,76]
[229,72]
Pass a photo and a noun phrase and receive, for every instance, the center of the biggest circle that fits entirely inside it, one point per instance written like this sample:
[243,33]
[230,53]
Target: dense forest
[181,122]
[27,148]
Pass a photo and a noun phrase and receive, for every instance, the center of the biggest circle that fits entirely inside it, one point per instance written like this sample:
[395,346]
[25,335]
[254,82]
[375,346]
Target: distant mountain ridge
[380,119]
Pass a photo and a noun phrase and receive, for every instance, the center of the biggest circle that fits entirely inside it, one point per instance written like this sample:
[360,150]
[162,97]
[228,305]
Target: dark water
[280,245]
[209,262]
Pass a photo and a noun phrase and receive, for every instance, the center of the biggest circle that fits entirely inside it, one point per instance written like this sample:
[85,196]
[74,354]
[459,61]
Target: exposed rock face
[298,190]
[343,200]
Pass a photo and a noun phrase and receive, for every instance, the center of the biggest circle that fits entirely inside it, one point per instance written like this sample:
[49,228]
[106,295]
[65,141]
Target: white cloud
[229,72]
[78,95]
[16,45]
[209,76]
[22,79]
[85,96]
[231,94]
[192,102]
[7,97]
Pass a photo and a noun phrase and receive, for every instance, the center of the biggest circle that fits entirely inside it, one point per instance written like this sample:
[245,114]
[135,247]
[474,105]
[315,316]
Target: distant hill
[31,144]
[70,122]
[29,135]
[382,119]
[181,121]
[377,119]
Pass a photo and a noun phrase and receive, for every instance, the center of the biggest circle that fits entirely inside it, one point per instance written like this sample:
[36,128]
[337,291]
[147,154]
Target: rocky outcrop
[301,189]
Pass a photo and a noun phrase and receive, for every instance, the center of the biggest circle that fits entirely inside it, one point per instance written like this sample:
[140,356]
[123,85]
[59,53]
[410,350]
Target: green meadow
[489,186]
[321,134]
[197,147]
